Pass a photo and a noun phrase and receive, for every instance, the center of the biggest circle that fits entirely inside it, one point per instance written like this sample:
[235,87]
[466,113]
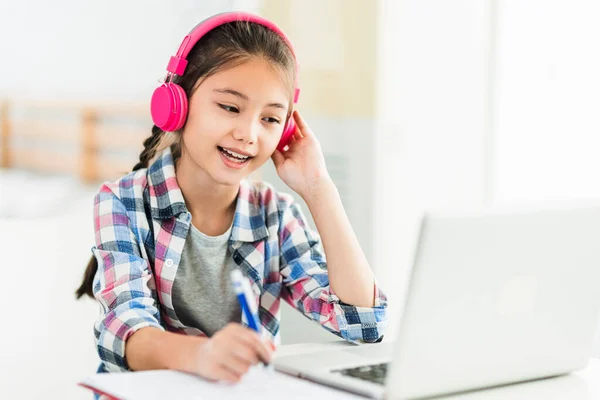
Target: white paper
[259,383]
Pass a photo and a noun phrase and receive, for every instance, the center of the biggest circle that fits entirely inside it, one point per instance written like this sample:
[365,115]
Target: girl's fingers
[246,355]
[256,345]
[234,363]
[251,340]
[301,124]
[298,133]
[223,373]
[278,158]
[263,352]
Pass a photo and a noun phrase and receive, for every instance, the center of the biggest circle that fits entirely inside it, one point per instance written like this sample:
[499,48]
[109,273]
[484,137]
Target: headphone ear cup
[182,107]
[288,133]
[169,107]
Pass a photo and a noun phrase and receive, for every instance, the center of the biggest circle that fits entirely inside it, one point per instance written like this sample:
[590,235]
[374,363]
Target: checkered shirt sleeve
[304,271]
[120,285]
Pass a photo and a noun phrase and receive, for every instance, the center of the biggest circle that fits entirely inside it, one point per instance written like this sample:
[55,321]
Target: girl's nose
[246,131]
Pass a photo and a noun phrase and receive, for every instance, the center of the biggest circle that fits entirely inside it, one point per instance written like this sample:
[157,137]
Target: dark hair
[224,47]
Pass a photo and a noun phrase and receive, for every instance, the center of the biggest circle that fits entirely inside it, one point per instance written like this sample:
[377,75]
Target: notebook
[259,383]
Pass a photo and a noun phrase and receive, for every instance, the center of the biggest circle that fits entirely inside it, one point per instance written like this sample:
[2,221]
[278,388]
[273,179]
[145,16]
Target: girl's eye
[229,108]
[271,120]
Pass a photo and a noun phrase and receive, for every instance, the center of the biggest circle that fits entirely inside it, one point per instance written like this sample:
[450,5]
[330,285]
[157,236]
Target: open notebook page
[259,383]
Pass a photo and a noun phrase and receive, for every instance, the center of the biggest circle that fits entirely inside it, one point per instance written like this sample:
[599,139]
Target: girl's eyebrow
[244,97]
[233,92]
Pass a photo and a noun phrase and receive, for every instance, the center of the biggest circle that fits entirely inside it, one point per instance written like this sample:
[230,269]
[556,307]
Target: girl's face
[235,121]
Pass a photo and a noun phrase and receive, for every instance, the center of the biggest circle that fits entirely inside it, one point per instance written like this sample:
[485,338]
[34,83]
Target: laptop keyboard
[375,373]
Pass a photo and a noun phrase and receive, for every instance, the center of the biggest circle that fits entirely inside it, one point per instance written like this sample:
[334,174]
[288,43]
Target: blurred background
[417,104]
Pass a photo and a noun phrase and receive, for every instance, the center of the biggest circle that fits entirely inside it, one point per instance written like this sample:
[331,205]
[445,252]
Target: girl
[169,233]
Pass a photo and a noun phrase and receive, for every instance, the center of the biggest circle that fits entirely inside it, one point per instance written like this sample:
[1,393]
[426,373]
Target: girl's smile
[234,159]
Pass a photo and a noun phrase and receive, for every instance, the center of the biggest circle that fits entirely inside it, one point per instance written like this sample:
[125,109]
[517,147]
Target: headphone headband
[178,62]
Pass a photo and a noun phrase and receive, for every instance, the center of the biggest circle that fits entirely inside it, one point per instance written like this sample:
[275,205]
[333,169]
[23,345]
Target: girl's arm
[341,292]
[350,276]
[308,284]
[226,356]
[303,169]
[152,348]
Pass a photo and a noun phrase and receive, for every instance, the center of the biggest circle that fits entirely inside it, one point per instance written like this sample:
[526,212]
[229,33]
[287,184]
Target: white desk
[580,385]
[576,386]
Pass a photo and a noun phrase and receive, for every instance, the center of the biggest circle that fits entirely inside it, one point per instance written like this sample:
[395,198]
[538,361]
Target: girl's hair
[226,46]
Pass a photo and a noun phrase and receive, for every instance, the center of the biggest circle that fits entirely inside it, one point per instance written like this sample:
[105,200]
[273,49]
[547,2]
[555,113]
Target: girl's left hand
[302,166]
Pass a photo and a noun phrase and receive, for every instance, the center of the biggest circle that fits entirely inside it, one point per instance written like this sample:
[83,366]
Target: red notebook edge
[100,392]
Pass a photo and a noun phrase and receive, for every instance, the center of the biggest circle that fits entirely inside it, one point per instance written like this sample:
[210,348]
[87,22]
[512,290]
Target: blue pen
[244,296]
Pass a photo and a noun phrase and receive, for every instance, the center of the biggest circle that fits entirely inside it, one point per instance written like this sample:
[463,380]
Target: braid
[150,146]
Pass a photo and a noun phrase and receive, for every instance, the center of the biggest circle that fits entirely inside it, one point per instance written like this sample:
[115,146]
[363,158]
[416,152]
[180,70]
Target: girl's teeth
[230,155]
[233,153]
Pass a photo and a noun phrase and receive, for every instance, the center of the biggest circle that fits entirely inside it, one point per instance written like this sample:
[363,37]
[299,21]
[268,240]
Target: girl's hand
[229,353]
[302,166]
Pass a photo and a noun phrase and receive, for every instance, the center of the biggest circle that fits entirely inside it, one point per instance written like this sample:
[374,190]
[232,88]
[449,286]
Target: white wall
[548,134]
[111,49]
[432,146]
[548,102]
[429,143]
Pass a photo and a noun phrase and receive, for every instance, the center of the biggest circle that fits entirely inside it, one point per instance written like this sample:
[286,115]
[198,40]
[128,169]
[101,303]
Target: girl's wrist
[319,191]
[151,348]
[181,353]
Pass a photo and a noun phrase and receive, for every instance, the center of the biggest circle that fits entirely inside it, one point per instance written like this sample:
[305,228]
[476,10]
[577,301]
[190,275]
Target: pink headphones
[169,104]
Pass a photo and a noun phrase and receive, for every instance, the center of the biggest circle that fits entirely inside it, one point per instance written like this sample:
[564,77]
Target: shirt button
[169,262]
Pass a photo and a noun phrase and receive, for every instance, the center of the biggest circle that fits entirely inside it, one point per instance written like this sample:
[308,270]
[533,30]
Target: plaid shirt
[141,223]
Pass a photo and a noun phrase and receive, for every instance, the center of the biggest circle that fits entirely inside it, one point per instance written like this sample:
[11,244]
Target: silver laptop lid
[498,297]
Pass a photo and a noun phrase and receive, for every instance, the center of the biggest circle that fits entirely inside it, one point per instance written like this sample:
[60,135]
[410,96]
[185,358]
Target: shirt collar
[166,201]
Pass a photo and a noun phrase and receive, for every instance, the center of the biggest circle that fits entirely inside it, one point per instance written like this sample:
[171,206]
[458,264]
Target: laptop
[495,296]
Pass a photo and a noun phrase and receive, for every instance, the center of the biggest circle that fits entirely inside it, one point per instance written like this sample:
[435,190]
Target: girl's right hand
[229,353]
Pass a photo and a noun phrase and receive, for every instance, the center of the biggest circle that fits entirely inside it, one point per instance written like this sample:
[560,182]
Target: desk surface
[579,385]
